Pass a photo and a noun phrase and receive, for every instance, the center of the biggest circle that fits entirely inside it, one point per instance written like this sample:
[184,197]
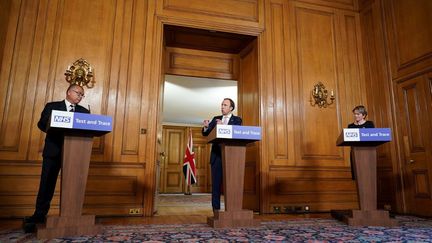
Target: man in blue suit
[52,154]
[226,118]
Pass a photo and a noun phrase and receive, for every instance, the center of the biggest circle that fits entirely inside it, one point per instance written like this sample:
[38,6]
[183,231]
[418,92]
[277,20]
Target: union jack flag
[189,169]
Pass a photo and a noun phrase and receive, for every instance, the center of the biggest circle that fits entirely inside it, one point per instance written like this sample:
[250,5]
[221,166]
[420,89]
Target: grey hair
[361,109]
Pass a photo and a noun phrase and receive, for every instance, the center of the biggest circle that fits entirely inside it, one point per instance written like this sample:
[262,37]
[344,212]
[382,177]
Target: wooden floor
[173,211]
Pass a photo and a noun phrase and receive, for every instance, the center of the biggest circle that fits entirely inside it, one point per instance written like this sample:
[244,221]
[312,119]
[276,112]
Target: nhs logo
[65,119]
[223,131]
[61,119]
[351,134]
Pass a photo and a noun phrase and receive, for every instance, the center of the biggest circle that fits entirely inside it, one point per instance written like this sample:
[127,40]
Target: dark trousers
[216,172]
[50,170]
[352,161]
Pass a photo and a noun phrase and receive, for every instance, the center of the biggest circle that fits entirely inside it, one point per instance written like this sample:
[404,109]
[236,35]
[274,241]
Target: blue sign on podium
[238,132]
[364,136]
[367,134]
[81,121]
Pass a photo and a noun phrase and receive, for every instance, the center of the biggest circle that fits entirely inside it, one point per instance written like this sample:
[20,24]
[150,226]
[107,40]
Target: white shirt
[227,117]
[68,105]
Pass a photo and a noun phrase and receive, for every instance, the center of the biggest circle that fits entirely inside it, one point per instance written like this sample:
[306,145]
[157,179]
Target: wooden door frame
[157,73]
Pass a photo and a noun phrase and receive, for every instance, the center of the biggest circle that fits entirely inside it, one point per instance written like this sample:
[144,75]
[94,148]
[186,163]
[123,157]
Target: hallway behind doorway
[180,204]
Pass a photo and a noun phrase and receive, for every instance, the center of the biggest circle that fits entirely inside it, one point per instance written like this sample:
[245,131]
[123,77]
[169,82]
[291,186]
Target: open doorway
[187,102]
[201,68]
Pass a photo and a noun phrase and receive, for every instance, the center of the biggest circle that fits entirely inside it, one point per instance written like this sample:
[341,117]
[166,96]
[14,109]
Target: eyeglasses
[79,93]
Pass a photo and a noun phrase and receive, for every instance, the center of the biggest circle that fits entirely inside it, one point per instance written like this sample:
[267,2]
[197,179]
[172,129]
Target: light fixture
[319,96]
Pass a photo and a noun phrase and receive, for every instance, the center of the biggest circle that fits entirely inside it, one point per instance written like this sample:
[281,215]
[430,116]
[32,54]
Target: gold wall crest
[80,73]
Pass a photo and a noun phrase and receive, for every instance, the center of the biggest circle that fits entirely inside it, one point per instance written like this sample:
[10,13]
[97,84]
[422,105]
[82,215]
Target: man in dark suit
[226,118]
[52,154]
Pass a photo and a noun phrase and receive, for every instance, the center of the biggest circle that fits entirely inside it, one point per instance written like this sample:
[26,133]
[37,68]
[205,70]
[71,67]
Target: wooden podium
[77,150]
[364,142]
[233,163]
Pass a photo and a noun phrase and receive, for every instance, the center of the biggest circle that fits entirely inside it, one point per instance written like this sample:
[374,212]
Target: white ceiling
[190,100]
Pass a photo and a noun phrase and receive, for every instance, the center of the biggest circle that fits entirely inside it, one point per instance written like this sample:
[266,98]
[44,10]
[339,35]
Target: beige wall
[299,44]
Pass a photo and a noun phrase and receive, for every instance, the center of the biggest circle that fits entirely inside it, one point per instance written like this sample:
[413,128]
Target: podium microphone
[89,108]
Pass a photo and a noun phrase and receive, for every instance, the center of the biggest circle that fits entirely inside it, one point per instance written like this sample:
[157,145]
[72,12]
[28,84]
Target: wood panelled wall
[398,64]
[42,38]
[364,52]
[4,21]
[225,15]
[304,44]
[198,63]
[380,106]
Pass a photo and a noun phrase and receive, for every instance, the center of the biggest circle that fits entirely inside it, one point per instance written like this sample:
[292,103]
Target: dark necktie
[72,108]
